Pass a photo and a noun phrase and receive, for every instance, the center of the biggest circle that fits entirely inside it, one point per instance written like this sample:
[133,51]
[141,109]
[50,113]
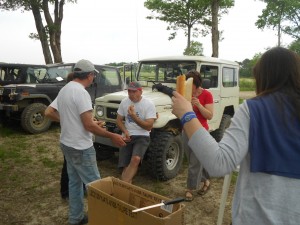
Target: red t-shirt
[204,98]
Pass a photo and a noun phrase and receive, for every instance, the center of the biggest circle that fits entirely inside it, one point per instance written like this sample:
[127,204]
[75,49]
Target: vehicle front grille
[112,127]
[111,113]
[5,96]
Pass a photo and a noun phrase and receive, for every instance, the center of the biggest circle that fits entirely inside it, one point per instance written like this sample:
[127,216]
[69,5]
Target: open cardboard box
[111,201]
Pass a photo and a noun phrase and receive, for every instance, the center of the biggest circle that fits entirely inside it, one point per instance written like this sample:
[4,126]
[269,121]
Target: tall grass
[247,84]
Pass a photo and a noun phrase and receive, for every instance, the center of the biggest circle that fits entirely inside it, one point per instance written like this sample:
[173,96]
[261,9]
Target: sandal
[205,188]
[189,196]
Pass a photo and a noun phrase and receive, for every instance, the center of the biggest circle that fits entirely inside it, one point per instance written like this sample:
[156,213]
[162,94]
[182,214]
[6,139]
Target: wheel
[165,155]
[103,152]
[218,133]
[33,119]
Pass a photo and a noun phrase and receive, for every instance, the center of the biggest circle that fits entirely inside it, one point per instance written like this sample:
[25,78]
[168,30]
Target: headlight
[99,111]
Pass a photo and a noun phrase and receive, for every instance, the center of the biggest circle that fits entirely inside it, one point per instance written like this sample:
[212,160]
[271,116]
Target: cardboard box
[111,201]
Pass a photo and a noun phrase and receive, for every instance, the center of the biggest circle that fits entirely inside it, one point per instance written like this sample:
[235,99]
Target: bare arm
[93,127]
[206,110]
[52,113]
[122,127]
[182,106]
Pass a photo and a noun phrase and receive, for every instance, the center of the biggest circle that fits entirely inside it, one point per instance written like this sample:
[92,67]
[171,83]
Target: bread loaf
[184,87]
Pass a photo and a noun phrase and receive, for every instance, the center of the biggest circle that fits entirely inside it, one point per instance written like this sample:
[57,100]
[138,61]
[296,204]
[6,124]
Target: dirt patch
[30,184]
[30,167]
[247,94]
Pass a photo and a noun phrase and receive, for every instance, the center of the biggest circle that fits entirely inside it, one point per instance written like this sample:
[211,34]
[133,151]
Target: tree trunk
[189,38]
[54,28]
[42,33]
[215,28]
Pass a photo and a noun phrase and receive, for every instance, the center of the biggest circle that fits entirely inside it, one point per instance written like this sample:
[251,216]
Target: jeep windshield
[163,71]
[57,73]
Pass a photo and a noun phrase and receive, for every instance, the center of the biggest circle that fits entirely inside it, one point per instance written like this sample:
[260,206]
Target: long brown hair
[278,69]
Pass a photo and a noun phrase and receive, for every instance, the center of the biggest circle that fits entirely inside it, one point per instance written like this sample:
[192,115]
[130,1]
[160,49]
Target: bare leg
[130,171]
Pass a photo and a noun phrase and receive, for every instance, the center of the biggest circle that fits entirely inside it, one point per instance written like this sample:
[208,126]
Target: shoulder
[147,101]
[207,92]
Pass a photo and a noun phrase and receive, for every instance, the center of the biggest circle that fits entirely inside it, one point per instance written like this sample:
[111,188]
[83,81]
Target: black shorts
[136,147]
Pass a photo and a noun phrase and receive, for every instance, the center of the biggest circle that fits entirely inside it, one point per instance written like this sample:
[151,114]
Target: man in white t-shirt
[73,109]
[139,114]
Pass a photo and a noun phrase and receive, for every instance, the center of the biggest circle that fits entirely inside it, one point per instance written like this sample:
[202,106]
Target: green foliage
[247,84]
[195,48]
[186,15]
[295,46]
[282,15]
[247,65]
[192,16]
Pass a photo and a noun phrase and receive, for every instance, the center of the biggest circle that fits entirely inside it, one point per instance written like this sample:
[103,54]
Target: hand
[195,102]
[100,123]
[180,105]
[131,110]
[126,136]
[118,140]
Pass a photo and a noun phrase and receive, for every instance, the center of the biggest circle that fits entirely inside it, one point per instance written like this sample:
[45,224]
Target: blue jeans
[82,167]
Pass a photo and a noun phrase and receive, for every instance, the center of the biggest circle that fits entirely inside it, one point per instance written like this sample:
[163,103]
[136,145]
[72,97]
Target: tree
[194,49]
[50,34]
[282,15]
[247,65]
[295,46]
[193,16]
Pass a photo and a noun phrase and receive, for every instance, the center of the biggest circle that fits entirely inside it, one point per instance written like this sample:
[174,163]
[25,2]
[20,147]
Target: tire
[164,156]
[33,119]
[219,133]
[103,152]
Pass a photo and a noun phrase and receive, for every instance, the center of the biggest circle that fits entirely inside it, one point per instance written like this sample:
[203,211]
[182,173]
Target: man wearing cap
[139,114]
[73,109]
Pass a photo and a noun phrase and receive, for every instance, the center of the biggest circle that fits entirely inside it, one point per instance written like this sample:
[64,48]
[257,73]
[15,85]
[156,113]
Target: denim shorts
[136,147]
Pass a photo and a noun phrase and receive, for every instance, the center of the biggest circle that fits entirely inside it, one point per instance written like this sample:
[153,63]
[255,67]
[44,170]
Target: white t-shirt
[73,100]
[145,109]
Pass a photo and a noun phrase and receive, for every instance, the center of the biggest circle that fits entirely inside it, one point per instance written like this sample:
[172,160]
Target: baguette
[184,87]
[180,84]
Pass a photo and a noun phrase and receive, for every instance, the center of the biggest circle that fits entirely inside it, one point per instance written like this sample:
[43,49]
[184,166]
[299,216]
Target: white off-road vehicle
[165,154]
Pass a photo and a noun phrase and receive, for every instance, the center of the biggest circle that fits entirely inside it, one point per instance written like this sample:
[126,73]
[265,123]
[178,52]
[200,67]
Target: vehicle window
[210,73]
[109,76]
[229,77]
[35,74]
[58,71]
[2,74]
[164,71]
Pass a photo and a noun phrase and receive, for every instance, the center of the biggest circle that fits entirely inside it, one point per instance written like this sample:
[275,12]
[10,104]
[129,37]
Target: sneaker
[84,220]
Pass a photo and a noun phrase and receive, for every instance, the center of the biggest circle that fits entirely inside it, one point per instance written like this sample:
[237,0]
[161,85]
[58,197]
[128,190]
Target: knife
[173,201]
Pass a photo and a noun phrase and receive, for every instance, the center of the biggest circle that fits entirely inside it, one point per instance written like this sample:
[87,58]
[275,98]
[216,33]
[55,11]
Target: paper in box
[111,201]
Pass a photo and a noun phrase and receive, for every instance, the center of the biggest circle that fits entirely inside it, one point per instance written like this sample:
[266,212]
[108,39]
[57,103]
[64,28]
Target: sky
[118,31]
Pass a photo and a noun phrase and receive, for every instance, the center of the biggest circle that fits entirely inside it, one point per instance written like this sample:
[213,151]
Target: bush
[247,84]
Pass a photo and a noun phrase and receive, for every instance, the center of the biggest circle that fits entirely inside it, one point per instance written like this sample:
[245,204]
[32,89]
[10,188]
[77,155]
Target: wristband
[187,117]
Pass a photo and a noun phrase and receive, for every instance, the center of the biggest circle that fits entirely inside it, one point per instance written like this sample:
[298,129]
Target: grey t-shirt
[259,198]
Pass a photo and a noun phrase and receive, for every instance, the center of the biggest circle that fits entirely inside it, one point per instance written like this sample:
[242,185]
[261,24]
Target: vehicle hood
[22,86]
[158,98]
